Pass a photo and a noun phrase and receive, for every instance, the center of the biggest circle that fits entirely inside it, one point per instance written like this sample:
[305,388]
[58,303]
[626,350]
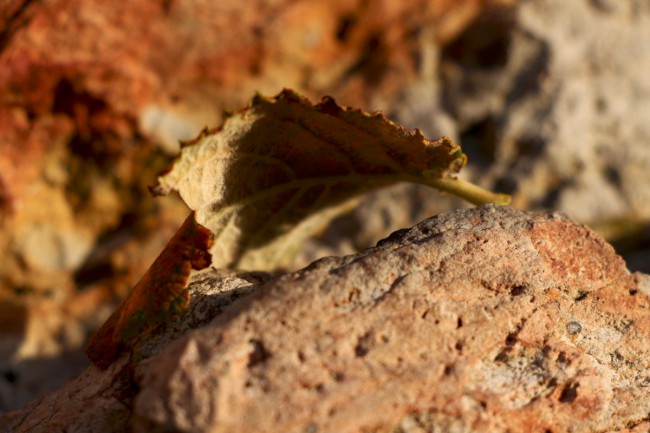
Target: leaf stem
[467,190]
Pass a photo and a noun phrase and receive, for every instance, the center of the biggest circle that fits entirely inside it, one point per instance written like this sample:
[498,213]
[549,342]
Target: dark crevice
[89,141]
[484,45]
[553,196]
[511,338]
[6,200]
[633,245]
[529,148]
[12,23]
[517,290]
[346,23]
[506,184]
[93,273]
[531,77]
[259,353]
[166,6]
[612,175]
[479,142]
[372,65]
[582,295]
[362,347]
[98,265]
[360,351]
[569,392]
[10,376]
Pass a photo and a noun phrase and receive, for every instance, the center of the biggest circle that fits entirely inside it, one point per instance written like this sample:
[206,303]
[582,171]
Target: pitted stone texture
[491,319]
[484,320]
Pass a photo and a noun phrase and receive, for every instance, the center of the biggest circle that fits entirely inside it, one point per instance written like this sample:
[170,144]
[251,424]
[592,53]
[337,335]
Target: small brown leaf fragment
[276,172]
[160,294]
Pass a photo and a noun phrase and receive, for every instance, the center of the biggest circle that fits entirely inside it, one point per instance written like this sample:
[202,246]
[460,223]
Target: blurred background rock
[549,99]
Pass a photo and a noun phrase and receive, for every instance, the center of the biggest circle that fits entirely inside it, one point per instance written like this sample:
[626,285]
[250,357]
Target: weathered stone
[484,320]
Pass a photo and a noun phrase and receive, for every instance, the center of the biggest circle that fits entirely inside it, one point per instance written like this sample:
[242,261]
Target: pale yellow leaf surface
[279,170]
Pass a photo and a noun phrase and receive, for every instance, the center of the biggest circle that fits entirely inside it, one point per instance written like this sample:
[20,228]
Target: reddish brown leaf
[160,294]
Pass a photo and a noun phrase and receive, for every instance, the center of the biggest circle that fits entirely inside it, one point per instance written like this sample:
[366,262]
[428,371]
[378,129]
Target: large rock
[485,320]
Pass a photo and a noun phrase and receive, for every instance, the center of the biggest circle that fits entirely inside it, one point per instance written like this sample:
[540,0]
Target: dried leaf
[160,294]
[276,171]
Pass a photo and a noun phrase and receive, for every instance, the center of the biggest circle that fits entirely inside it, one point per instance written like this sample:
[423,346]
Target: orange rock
[444,325]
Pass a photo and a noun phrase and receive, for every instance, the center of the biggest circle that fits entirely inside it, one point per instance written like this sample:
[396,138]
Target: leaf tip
[502,199]
[201,239]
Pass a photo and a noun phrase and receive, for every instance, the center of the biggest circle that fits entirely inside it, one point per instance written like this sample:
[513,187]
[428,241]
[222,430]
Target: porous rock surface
[483,320]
